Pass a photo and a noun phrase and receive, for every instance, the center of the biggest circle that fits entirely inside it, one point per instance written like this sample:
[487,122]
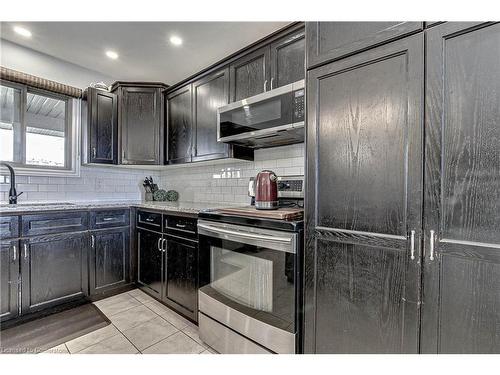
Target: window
[38,132]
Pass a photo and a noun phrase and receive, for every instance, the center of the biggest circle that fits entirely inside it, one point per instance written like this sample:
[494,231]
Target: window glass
[45,131]
[10,122]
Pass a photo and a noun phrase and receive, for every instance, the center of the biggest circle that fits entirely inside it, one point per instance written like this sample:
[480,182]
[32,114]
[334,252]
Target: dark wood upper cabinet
[327,41]
[109,259]
[250,75]
[288,59]
[179,137]
[181,276]
[461,291]
[102,126]
[9,277]
[209,93]
[54,269]
[141,123]
[361,276]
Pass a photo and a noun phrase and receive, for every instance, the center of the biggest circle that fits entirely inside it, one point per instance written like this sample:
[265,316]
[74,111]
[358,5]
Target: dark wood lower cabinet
[109,259]
[150,258]
[9,279]
[54,269]
[181,275]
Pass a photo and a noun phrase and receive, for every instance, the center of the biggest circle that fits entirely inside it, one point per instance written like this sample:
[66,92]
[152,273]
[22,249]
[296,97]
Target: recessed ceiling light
[112,55]
[175,40]
[22,31]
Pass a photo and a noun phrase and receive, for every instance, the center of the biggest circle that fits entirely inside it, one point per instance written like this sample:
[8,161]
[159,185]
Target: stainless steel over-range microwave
[273,118]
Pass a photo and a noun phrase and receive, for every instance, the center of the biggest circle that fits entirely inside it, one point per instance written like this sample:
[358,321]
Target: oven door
[261,115]
[248,282]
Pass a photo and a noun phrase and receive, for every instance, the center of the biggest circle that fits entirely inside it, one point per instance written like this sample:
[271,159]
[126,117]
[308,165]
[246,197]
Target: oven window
[257,281]
[245,279]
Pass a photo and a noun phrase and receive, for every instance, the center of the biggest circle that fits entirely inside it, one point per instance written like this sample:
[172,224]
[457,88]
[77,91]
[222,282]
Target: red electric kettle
[266,191]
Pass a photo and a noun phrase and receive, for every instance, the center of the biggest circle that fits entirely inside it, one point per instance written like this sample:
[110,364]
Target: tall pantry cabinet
[403,209]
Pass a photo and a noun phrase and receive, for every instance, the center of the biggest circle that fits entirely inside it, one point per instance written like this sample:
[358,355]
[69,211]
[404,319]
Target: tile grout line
[127,338]
[157,315]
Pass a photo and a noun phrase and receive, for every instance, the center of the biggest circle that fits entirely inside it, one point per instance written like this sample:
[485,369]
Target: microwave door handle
[245,234]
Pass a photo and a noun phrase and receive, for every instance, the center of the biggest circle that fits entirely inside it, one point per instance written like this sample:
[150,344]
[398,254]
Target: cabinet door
[103,127]
[250,75]
[179,125]
[364,200]
[461,288]
[109,261]
[9,279]
[288,59]
[140,125]
[328,41]
[209,93]
[181,277]
[54,270]
[149,269]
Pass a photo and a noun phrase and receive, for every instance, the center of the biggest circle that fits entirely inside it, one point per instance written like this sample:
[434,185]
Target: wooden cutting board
[280,214]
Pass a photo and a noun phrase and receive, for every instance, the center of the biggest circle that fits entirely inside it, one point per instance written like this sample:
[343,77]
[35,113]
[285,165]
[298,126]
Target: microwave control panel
[298,105]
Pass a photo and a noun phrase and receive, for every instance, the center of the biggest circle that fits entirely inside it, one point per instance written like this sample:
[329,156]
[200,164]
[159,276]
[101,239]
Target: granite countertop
[185,207]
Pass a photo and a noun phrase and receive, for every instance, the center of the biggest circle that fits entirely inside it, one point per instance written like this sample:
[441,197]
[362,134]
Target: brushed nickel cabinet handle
[272,79]
[412,245]
[180,225]
[158,245]
[25,250]
[265,85]
[163,245]
[94,152]
[108,219]
[93,240]
[431,245]
[15,252]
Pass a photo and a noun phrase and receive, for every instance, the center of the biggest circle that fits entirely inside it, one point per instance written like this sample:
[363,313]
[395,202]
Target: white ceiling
[145,52]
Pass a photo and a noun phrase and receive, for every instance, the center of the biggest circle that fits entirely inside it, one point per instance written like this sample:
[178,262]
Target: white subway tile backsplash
[217,183]
[229,182]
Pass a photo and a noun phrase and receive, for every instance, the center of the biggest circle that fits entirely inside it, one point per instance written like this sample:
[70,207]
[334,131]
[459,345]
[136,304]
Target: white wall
[26,60]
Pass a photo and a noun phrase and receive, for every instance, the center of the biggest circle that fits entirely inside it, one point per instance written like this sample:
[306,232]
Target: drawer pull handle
[25,250]
[108,219]
[149,219]
[180,225]
[15,252]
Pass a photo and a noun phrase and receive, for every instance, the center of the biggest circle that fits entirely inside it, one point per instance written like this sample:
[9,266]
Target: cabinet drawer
[109,218]
[42,224]
[149,220]
[9,227]
[180,223]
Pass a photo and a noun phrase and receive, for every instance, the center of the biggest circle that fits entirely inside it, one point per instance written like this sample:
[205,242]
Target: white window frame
[74,126]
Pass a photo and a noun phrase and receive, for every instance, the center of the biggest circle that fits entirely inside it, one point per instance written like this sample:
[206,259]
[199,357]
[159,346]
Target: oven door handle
[261,237]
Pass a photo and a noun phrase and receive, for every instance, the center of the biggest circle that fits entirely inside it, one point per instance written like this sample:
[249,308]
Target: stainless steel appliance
[273,118]
[250,281]
[288,187]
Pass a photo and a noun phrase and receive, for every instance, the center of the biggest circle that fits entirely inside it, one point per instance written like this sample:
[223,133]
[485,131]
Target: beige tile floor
[139,324]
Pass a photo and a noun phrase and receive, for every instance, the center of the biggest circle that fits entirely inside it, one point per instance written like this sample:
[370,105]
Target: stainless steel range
[250,272]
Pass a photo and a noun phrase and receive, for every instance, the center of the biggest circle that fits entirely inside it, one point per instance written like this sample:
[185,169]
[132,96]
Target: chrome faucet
[12,192]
